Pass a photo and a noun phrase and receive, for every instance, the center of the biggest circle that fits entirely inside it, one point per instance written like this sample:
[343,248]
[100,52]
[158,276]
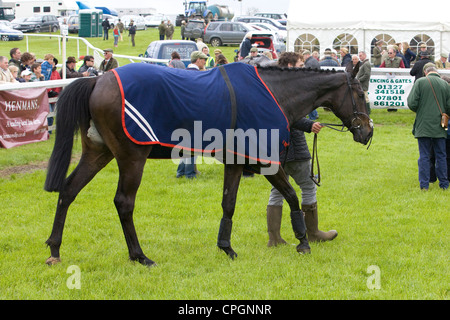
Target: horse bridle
[355,123]
[356,114]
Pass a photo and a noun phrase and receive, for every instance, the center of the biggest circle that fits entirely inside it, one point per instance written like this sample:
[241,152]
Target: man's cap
[195,55]
[25,73]
[444,55]
[306,52]
[108,50]
[254,49]
[217,51]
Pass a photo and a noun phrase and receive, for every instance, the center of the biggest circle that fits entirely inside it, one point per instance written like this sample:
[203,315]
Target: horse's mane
[277,68]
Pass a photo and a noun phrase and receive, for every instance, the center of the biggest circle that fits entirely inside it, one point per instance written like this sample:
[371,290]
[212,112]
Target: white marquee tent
[317,25]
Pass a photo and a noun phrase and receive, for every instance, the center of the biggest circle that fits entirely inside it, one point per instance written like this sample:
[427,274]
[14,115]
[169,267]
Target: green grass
[371,197]
[40,46]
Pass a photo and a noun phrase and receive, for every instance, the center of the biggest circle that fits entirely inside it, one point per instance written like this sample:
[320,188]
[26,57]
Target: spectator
[364,76]
[187,166]
[116,35]
[14,71]
[25,76]
[377,53]
[132,32]
[53,92]
[399,48]
[355,62]
[245,46]
[169,30]
[346,58]
[221,60]
[162,30]
[88,65]
[410,56]
[392,61]
[37,75]
[121,28]
[109,62]
[70,69]
[310,61]
[210,61]
[26,60]
[297,163]
[5,74]
[182,29]
[106,26]
[442,62]
[316,56]
[327,60]
[426,95]
[15,55]
[176,61]
[417,69]
[423,48]
[47,66]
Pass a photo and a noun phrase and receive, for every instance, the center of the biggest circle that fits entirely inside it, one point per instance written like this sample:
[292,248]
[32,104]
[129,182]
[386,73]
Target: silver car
[225,32]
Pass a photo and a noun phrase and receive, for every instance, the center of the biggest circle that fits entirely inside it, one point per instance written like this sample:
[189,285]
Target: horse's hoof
[52,261]
[230,252]
[303,249]
[148,263]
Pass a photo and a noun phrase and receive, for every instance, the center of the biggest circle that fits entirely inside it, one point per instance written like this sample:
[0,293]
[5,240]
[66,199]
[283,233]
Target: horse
[97,102]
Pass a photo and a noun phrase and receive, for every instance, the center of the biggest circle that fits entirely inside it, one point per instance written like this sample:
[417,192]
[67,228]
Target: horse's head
[349,104]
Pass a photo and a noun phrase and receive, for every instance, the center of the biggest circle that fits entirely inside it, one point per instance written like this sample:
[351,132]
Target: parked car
[281,35]
[138,21]
[73,23]
[39,23]
[162,49]
[266,41]
[281,18]
[224,32]
[17,21]
[253,19]
[154,20]
[194,29]
[7,33]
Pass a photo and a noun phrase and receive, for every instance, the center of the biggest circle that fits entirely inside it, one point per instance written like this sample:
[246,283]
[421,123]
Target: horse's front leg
[281,183]
[232,177]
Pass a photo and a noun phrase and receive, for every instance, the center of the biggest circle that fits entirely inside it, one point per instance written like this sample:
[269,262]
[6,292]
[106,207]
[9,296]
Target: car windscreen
[183,49]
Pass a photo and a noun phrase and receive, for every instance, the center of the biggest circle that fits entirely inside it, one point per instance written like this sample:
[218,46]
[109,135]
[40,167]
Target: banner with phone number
[389,91]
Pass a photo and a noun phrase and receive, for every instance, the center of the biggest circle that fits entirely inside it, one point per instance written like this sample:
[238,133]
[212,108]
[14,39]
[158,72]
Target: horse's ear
[355,71]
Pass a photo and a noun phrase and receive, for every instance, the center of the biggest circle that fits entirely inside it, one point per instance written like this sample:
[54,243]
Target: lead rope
[315,156]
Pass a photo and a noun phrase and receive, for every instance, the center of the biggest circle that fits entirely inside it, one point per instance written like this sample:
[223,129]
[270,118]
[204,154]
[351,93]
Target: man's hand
[316,127]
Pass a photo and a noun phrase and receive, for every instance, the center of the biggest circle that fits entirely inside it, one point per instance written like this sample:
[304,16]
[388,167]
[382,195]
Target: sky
[174,7]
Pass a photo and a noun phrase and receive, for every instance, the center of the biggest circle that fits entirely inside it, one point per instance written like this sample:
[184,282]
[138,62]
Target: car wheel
[216,42]
[54,29]
[38,30]
[5,38]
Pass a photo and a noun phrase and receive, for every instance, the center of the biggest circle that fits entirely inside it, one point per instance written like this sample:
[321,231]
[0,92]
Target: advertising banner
[389,91]
[23,116]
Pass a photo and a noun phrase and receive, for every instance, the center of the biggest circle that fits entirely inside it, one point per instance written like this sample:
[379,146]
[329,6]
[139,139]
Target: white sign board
[389,91]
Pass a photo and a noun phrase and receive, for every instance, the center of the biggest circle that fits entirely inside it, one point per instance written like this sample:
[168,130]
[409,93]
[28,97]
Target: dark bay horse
[99,101]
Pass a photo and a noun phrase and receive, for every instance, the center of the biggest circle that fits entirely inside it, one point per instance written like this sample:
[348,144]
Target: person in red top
[392,61]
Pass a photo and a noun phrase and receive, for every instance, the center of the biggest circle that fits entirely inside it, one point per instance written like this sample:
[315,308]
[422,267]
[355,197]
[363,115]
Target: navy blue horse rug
[224,110]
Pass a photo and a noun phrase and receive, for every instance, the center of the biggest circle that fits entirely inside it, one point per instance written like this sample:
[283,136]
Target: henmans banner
[23,116]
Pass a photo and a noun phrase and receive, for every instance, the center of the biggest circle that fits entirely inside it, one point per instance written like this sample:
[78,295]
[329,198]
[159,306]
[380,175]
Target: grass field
[371,197]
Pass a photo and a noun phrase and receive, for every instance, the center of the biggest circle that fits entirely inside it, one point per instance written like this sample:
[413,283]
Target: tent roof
[392,15]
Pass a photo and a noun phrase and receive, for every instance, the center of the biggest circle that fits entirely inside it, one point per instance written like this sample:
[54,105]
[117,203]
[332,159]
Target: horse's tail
[72,113]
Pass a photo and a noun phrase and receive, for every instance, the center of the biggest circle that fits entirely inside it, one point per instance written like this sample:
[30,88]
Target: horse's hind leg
[131,170]
[90,163]
[281,183]
[230,189]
